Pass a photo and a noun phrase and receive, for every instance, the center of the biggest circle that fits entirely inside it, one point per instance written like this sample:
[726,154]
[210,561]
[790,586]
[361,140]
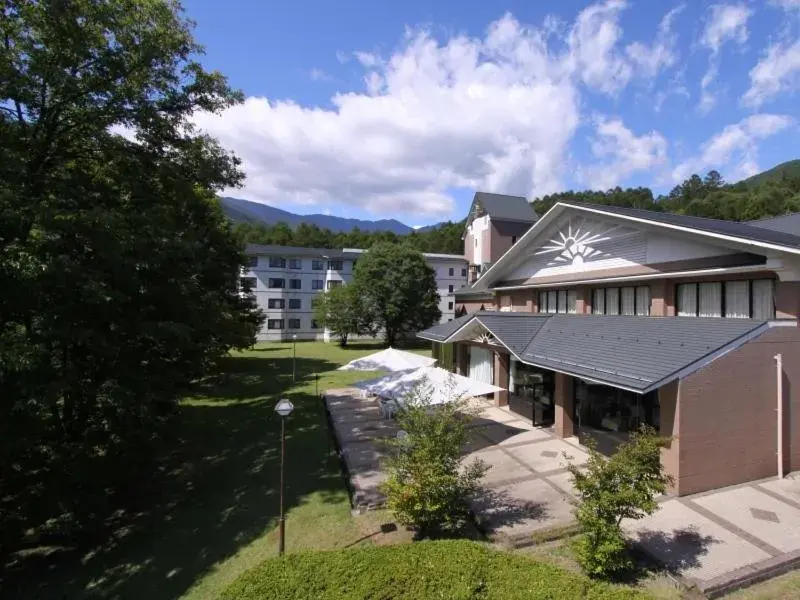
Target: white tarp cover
[389,360]
[442,386]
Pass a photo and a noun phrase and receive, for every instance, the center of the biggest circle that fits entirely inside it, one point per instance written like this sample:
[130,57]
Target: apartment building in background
[285,279]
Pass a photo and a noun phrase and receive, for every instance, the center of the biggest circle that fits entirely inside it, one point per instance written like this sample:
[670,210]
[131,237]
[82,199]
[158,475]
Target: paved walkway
[714,540]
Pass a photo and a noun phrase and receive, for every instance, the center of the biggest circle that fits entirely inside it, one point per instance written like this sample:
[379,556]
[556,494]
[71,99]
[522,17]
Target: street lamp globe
[284,407]
[402,436]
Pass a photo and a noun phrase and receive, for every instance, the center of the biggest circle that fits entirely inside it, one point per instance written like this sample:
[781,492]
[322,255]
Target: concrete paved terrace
[716,540]
[527,486]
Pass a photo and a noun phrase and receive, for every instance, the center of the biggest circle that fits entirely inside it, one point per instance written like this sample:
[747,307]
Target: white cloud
[737,142]
[320,75]
[786,4]
[726,23]
[778,71]
[622,153]
[496,112]
[662,54]
[593,48]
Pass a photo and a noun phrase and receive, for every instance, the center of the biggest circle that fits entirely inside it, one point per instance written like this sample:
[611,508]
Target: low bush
[453,569]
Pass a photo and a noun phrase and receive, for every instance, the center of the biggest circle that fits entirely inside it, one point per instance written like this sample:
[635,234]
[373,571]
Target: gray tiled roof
[516,330]
[786,223]
[505,208]
[442,331]
[637,353]
[633,352]
[731,228]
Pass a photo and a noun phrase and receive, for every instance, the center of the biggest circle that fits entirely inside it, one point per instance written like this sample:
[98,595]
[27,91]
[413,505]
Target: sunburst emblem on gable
[577,243]
[485,338]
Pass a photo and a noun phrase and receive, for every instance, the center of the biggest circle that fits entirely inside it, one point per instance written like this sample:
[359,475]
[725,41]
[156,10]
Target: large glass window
[763,301]
[731,299]
[628,301]
[277,283]
[295,263]
[612,301]
[558,301]
[294,323]
[276,303]
[317,265]
[643,300]
[275,324]
[599,302]
[335,265]
[552,302]
[317,284]
[295,303]
[737,299]
[295,284]
[710,300]
[572,301]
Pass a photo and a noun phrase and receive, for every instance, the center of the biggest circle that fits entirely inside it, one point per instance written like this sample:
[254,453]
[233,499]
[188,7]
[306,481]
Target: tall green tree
[342,311]
[119,270]
[398,288]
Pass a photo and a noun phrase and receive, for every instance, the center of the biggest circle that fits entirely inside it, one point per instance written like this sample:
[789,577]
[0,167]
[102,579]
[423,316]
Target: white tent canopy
[442,386]
[389,360]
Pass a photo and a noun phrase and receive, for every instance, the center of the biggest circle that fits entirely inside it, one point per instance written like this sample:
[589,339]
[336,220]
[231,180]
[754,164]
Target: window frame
[292,285]
[317,264]
[298,304]
[332,265]
[277,262]
[333,283]
[252,261]
[723,297]
[276,287]
[271,327]
[317,284]
[279,301]
[296,261]
[294,323]
[604,292]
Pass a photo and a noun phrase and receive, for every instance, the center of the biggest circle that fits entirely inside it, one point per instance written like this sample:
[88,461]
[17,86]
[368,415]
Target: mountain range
[247,211]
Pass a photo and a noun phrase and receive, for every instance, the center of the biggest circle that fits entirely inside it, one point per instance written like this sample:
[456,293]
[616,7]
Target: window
[476,242]
[552,302]
[710,300]
[276,262]
[314,324]
[294,323]
[333,284]
[252,261]
[295,263]
[275,324]
[730,299]
[276,303]
[277,283]
[449,289]
[599,302]
[248,283]
[295,303]
[737,299]
[295,284]
[463,272]
[317,265]
[628,301]
[449,306]
[335,265]
[572,302]
[451,271]
[763,305]
[317,284]
[513,240]
[643,300]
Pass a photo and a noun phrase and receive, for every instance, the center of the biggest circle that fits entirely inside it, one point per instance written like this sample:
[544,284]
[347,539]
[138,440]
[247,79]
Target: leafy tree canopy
[398,288]
[341,310]
[119,271]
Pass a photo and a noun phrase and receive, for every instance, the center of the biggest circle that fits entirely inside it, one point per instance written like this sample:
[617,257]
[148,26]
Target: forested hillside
[771,193]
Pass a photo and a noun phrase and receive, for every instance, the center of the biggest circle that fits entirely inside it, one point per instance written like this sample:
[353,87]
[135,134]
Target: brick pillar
[669,406]
[583,303]
[658,305]
[564,406]
[462,359]
[502,363]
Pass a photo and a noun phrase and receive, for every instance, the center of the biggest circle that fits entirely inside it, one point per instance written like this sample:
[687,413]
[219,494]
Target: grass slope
[458,570]
[790,168]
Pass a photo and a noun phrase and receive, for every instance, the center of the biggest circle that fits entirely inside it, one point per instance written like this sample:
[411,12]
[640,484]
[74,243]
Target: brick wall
[727,414]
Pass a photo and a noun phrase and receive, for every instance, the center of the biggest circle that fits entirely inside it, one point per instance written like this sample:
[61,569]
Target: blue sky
[404,109]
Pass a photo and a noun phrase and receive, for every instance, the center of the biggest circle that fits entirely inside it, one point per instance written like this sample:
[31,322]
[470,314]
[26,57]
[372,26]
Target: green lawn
[218,513]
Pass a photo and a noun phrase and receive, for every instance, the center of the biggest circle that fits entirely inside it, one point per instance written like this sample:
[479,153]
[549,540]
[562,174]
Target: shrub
[428,483]
[453,569]
[610,490]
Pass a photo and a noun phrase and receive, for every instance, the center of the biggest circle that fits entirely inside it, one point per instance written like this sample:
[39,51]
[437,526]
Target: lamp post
[284,408]
[294,355]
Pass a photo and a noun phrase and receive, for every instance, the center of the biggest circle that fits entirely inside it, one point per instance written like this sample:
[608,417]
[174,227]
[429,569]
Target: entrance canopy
[639,354]
[389,360]
[440,385]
